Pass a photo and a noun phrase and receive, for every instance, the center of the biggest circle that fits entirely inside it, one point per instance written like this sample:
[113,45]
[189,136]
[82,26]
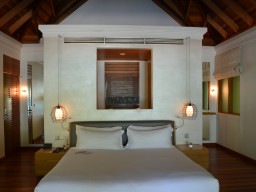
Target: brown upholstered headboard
[123,124]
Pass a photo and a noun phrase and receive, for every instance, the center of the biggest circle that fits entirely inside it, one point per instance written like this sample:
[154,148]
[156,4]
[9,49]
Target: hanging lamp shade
[189,111]
[58,114]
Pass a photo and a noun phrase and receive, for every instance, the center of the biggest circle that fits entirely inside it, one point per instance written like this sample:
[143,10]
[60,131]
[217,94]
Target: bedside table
[197,153]
[45,160]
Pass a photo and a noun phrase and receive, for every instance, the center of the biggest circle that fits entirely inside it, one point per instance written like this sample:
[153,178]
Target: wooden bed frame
[123,124]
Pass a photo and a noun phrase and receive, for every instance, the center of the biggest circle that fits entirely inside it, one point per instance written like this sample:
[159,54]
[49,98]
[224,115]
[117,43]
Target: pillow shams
[99,138]
[149,137]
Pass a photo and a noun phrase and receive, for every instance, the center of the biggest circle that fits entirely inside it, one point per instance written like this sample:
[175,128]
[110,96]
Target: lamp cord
[188,66]
[189,80]
[59,69]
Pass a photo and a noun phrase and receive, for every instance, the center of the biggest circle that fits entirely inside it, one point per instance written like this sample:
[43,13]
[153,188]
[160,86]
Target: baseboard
[236,153]
[210,144]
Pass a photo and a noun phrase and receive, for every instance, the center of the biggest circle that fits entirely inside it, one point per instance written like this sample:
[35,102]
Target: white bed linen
[130,170]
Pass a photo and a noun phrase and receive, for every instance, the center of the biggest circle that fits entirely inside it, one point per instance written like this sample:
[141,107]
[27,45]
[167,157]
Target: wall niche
[124,78]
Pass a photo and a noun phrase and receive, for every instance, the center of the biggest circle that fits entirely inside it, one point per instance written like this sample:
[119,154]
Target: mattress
[136,170]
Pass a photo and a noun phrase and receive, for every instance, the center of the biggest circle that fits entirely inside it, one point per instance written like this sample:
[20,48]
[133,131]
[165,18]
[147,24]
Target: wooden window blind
[11,104]
[122,84]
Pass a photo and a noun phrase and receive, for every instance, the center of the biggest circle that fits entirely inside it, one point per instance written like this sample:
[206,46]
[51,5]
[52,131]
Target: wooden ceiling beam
[171,12]
[176,5]
[38,6]
[216,26]
[29,39]
[3,2]
[52,8]
[201,10]
[239,11]
[188,9]
[188,13]
[253,2]
[31,26]
[211,39]
[221,14]
[14,11]
[67,8]
[21,21]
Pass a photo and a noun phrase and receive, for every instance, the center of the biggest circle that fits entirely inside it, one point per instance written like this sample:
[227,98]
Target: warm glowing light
[189,111]
[213,91]
[14,92]
[24,91]
[58,113]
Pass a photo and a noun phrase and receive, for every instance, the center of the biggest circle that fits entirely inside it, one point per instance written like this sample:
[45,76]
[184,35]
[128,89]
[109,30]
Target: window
[206,85]
[229,95]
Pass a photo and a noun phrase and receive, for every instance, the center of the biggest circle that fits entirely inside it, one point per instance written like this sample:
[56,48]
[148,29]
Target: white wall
[167,101]
[79,80]
[11,48]
[120,12]
[238,132]
[209,121]
[29,53]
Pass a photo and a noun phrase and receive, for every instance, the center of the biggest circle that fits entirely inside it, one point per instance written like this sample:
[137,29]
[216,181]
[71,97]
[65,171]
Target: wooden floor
[17,172]
[234,173]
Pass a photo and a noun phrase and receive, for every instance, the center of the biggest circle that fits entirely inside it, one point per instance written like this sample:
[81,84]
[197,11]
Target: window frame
[230,96]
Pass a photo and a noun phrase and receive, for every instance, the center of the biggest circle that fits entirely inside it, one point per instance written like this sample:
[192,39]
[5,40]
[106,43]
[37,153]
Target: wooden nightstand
[197,153]
[45,160]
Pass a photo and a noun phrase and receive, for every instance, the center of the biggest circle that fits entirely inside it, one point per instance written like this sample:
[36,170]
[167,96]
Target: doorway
[11,104]
[35,103]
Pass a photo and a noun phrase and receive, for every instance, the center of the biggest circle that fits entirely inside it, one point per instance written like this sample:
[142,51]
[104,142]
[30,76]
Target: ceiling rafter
[223,18]
[52,8]
[201,10]
[216,26]
[176,4]
[170,11]
[34,27]
[3,2]
[15,26]
[31,25]
[253,2]
[65,9]
[240,12]
[34,21]
[221,14]
[201,7]
[7,17]
[188,9]
[38,6]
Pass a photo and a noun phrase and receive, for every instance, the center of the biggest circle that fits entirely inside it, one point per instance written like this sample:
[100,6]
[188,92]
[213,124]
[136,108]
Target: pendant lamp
[189,110]
[59,113]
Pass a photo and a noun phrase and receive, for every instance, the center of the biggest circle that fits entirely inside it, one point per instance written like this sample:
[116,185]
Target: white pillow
[99,138]
[149,137]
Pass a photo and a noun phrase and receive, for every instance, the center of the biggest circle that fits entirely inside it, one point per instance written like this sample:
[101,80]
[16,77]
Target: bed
[145,163]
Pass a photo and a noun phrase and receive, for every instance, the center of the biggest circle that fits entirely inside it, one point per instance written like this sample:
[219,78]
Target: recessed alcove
[124,78]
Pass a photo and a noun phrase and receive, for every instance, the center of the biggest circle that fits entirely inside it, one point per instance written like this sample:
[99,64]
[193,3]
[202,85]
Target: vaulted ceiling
[223,18]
